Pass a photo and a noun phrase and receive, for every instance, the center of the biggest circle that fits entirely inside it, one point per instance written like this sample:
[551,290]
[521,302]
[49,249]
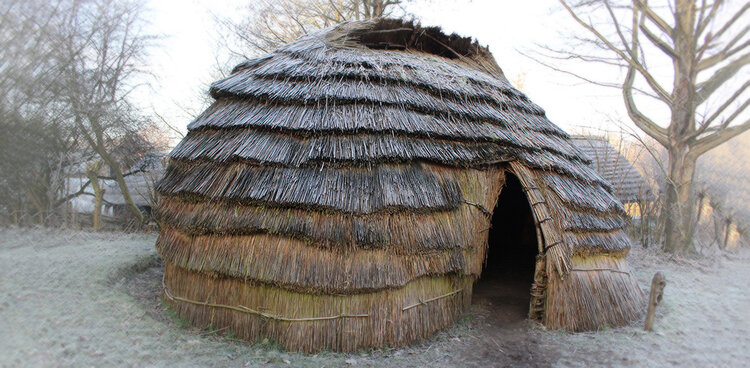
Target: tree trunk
[38,206]
[121,183]
[93,174]
[128,199]
[680,204]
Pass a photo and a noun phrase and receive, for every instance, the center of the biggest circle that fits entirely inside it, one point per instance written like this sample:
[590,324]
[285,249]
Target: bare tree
[704,45]
[37,142]
[93,171]
[67,68]
[271,23]
[102,53]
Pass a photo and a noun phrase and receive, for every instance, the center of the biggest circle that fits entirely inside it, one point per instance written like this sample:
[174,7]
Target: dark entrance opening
[505,285]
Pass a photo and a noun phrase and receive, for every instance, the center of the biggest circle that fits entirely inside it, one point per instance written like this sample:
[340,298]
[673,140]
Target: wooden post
[727,231]
[657,292]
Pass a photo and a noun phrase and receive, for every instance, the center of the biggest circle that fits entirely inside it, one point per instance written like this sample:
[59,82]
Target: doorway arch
[511,255]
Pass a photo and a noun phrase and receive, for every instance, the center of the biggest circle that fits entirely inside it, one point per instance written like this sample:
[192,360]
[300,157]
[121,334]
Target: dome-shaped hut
[340,192]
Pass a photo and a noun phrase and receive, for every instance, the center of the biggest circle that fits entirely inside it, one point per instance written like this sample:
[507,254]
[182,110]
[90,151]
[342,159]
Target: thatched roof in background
[627,182]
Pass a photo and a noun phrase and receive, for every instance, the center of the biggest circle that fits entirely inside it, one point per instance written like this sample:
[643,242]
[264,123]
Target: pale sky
[184,62]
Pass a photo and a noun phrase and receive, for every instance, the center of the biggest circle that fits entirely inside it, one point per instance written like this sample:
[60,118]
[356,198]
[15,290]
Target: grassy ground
[83,299]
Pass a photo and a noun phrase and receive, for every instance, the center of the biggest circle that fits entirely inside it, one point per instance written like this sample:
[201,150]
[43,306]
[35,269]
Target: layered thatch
[627,182]
[339,191]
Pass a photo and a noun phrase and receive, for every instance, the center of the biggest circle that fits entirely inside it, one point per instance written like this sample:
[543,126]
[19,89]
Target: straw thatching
[338,193]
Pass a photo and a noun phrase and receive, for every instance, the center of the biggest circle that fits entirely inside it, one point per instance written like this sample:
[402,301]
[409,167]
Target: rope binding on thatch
[424,302]
[244,309]
[600,269]
[480,207]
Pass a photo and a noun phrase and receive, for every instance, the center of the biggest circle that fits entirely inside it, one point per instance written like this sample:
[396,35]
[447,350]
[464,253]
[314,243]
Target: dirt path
[81,299]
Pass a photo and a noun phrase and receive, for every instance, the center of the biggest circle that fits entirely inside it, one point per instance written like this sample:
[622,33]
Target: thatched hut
[628,185]
[340,192]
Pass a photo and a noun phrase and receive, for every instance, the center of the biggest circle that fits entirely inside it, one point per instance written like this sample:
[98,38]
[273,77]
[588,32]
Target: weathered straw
[339,194]
[204,301]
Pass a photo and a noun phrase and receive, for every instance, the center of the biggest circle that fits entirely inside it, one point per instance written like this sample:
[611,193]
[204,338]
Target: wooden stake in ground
[657,292]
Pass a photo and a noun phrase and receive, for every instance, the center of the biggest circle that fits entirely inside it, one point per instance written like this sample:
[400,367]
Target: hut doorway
[508,273]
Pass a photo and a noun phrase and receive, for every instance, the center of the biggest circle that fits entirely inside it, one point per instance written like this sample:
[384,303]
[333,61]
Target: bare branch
[706,128]
[335,8]
[726,52]
[731,21]
[585,79]
[724,106]
[729,119]
[616,23]
[652,16]
[271,23]
[561,55]
[82,189]
[680,42]
[660,91]
[169,125]
[725,73]
[700,16]
[714,140]
[644,123]
[663,46]
[702,22]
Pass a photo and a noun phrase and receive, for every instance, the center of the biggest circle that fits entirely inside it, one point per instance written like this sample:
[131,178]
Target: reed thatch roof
[364,161]
[627,182]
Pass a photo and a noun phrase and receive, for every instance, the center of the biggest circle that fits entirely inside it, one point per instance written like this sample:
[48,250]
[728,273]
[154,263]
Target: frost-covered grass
[84,299]
[704,320]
